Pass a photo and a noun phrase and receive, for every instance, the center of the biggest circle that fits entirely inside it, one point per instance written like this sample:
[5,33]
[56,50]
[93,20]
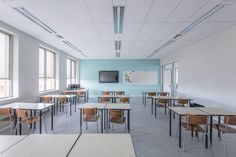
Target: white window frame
[10,65]
[45,69]
[70,78]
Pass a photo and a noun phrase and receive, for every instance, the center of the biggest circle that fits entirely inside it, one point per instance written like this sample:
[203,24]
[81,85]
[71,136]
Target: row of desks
[201,111]
[65,145]
[102,107]
[112,97]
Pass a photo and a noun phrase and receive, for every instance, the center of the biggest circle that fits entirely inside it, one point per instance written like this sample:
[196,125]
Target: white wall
[26,61]
[207,70]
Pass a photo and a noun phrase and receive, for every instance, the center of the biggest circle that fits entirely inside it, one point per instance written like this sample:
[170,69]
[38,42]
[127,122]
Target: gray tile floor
[150,135]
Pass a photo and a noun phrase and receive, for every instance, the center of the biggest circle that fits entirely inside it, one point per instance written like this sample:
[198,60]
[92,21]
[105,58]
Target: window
[5,77]
[71,71]
[46,70]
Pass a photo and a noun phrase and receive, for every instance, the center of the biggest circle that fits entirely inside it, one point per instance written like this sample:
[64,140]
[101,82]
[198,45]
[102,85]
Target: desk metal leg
[85,96]
[128,121]
[170,123]
[31,114]
[70,107]
[211,130]
[74,99]
[155,107]
[152,106]
[219,130]
[180,133]
[20,126]
[80,120]
[145,100]
[34,122]
[40,121]
[101,121]
[52,117]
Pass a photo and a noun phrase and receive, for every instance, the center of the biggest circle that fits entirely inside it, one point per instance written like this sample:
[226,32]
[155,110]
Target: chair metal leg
[184,143]
[86,125]
[97,126]
[15,130]
[224,141]
[45,125]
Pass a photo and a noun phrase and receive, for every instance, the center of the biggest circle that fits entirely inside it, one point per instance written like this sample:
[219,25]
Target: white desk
[116,106]
[7,141]
[113,97]
[103,145]
[33,107]
[42,146]
[78,92]
[99,106]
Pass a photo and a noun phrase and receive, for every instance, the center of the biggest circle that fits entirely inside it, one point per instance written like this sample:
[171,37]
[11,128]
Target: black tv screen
[108,76]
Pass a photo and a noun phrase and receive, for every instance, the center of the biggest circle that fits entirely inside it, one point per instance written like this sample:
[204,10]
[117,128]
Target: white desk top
[114,96]
[6,141]
[169,97]
[42,146]
[103,145]
[57,96]
[28,106]
[216,111]
[77,90]
[93,105]
[187,110]
[118,106]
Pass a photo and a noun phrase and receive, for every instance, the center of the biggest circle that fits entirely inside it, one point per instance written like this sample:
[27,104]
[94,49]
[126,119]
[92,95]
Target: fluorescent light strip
[191,26]
[31,17]
[118,45]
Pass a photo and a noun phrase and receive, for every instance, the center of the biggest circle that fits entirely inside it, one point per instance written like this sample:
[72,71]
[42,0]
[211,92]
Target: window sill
[8,98]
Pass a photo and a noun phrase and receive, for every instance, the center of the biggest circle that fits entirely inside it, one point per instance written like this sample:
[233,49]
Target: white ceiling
[88,24]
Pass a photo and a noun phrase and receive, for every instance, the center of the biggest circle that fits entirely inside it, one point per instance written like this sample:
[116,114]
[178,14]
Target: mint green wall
[89,75]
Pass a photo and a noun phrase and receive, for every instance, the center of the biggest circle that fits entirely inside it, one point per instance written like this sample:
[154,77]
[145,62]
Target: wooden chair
[105,99]
[150,94]
[119,93]
[7,118]
[182,102]
[162,103]
[63,103]
[24,118]
[90,115]
[46,99]
[164,94]
[124,100]
[106,92]
[116,117]
[226,128]
[194,123]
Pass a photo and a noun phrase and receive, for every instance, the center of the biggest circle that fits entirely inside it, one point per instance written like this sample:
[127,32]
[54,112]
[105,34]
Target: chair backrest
[152,94]
[183,101]
[164,101]
[105,99]
[106,92]
[5,111]
[62,99]
[67,93]
[46,99]
[21,113]
[119,93]
[230,120]
[196,120]
[116,113]
[124,100]
[89,112]
[163,93]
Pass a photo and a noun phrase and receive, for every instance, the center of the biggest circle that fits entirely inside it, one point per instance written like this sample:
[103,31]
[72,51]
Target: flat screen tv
[108,76]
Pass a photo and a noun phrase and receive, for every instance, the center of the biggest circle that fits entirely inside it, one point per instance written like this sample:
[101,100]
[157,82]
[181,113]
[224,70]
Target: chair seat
[91,118]
[29,120]
[119,120]
[223,128]
[191,127]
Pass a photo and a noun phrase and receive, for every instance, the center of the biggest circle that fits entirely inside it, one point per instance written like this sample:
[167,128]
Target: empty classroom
[117,78]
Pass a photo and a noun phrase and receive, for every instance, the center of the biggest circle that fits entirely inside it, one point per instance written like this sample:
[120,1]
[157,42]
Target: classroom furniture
[194,123]
[182,111]
[55,99]
[119,92]
[164,93]
[64,103]
[161,103]
[112,97]
[145,94]
[7,118]
[107,92]
[119,106]
[79,92]
[116,117]
[105,99]
[226,128]
[98,106]
[103,145]
[90,115]
[44,145]
[124,100]
[33,108]
[182,102]
[7,141]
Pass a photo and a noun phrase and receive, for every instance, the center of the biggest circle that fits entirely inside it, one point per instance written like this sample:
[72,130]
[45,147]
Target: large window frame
[47,75]
[70,71]
[7,79]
